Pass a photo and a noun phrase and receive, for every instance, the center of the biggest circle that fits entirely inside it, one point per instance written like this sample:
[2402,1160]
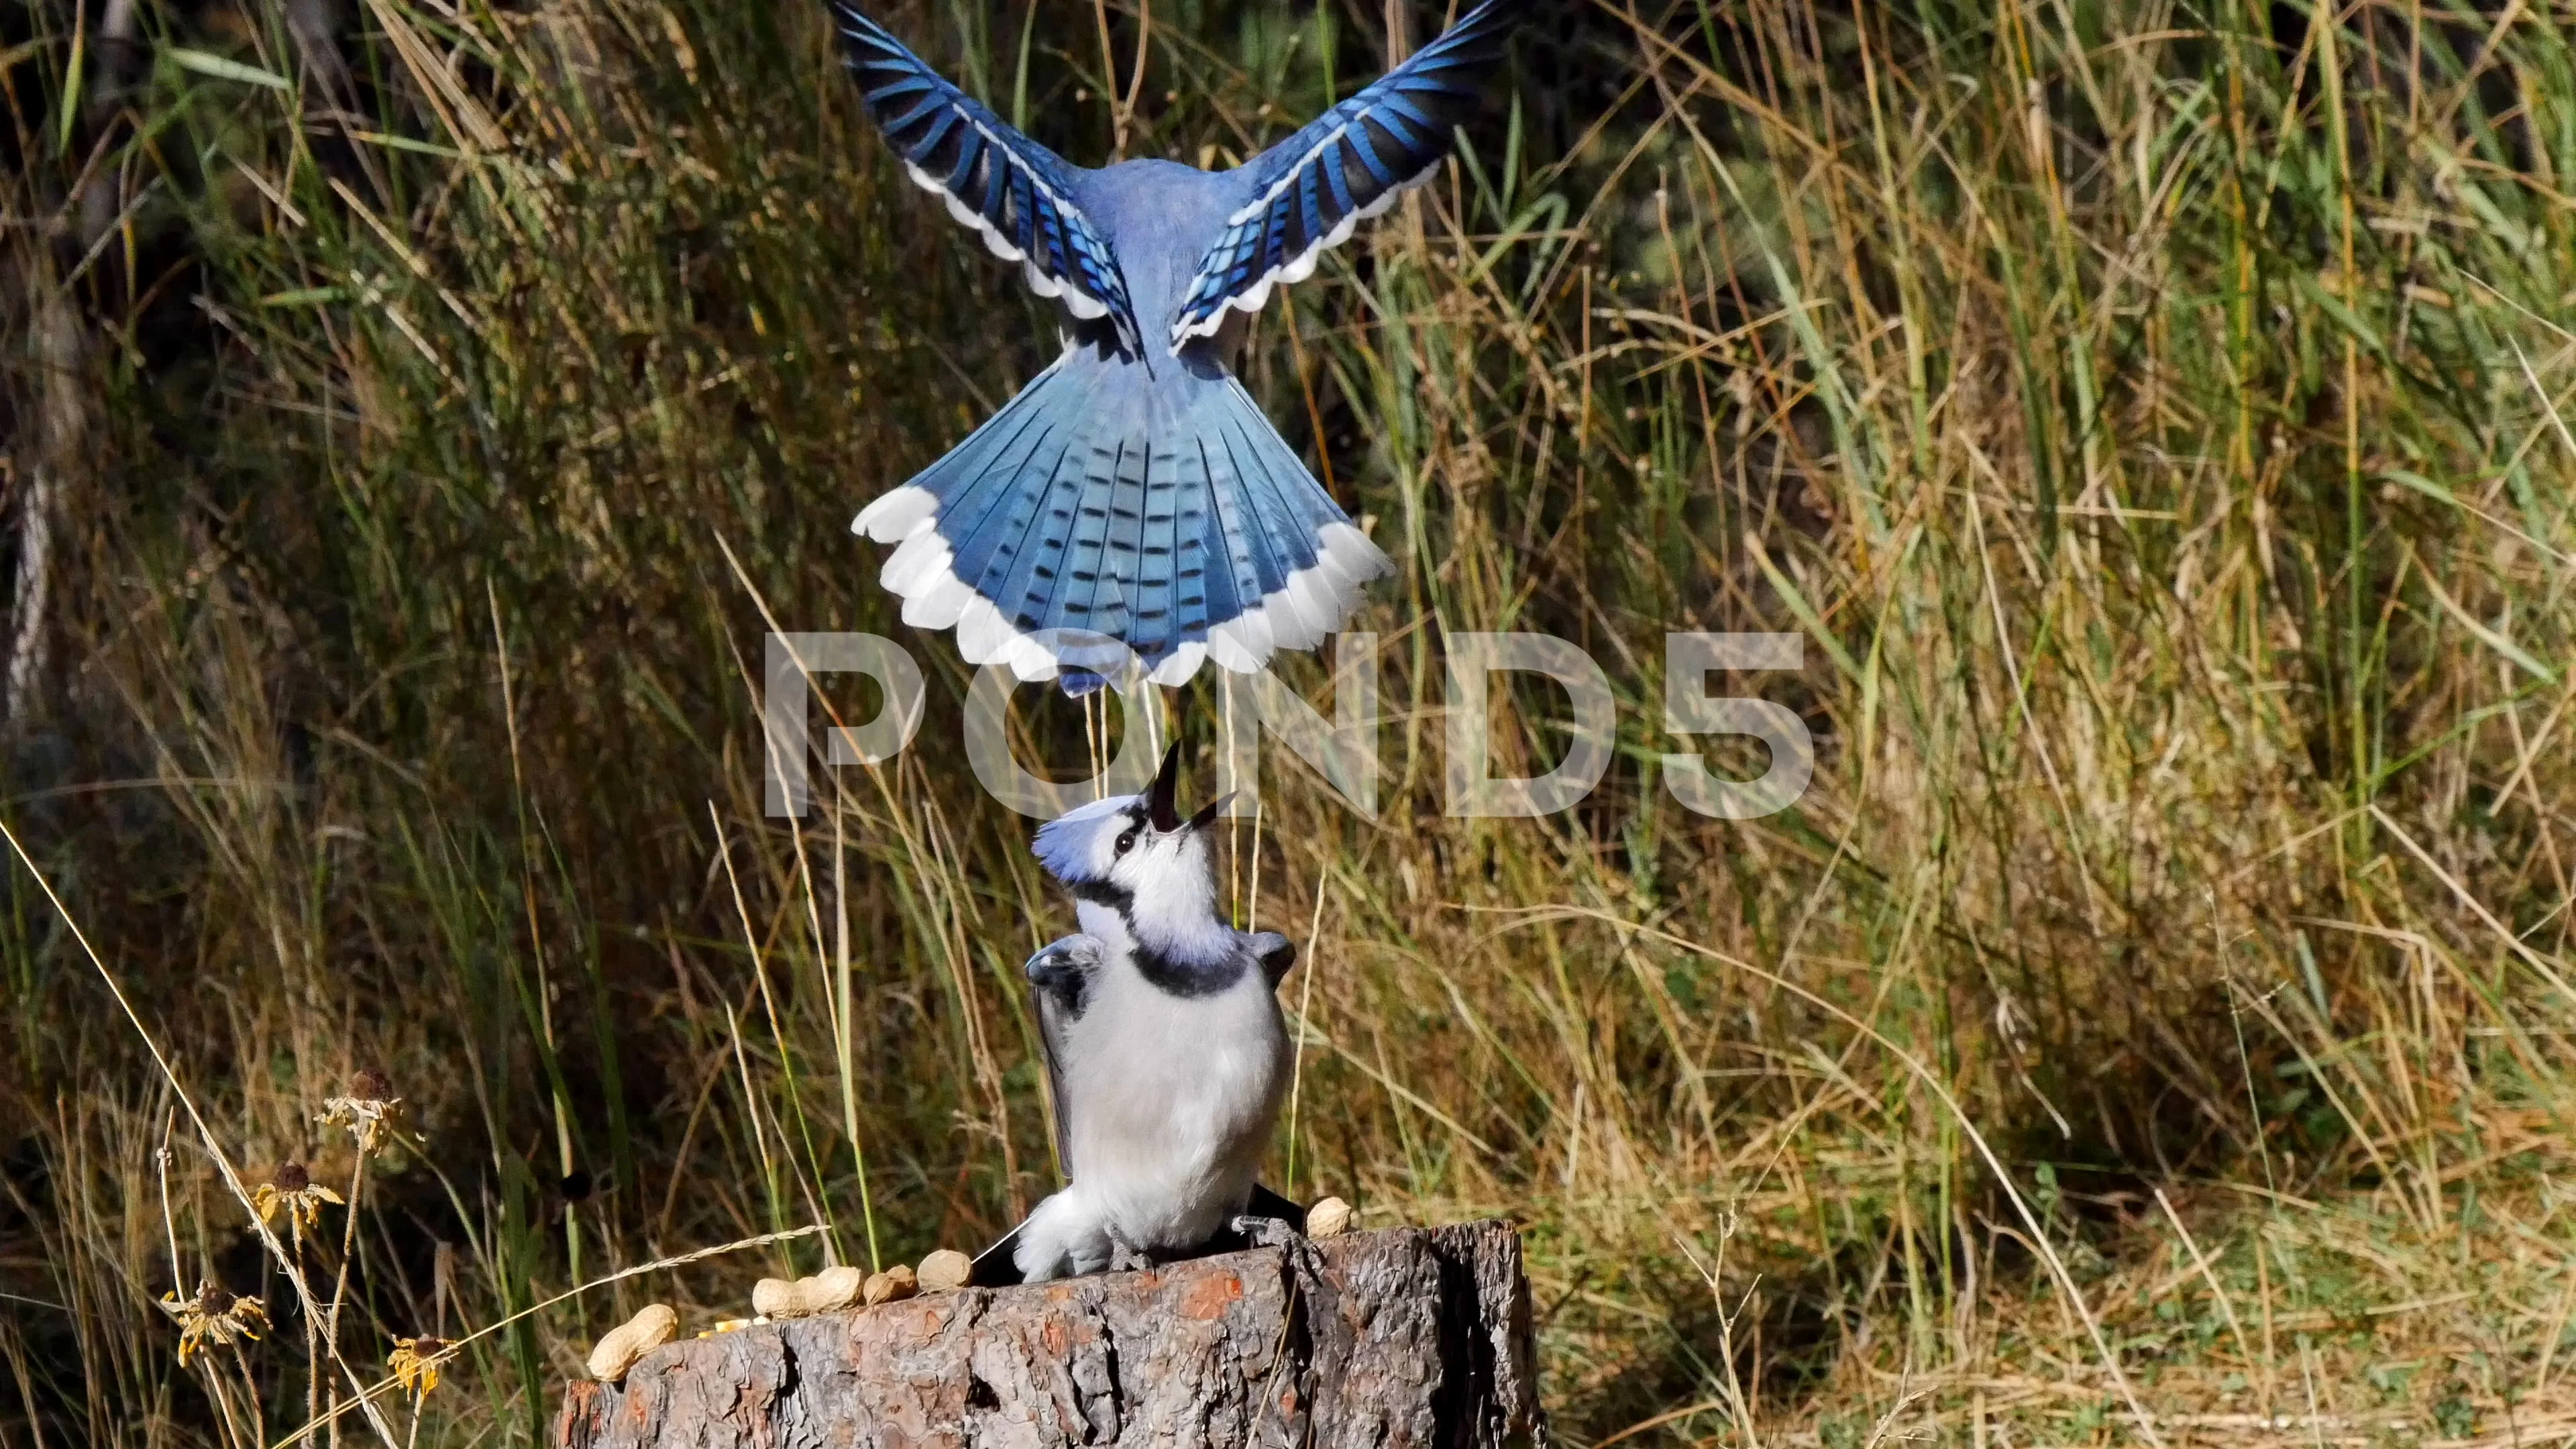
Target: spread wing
[1315,188]
[1014,192]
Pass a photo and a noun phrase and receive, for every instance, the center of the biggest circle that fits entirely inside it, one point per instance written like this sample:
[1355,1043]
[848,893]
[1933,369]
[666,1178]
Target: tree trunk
[59,438]
[1412,1336]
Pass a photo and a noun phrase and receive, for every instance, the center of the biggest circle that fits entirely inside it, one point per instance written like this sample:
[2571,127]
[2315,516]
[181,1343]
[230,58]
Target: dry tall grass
[2156,417]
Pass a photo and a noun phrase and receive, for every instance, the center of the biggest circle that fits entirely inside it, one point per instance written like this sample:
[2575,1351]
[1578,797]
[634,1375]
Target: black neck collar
[1161,970]
[1104,893]
[1182,978]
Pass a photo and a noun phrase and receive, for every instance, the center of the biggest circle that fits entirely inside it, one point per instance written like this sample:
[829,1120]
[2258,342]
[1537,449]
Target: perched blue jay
[1133,500]
[1164,1045]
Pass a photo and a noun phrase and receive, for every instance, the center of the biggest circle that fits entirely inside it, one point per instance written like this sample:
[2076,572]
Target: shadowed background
[2155,416]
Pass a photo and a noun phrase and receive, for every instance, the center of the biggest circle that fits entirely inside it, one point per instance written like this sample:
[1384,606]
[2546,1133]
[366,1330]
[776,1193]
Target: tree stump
[1411,1336]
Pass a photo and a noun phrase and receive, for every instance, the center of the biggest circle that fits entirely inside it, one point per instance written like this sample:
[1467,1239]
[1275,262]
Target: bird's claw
[1266,1232]
[1124,1258]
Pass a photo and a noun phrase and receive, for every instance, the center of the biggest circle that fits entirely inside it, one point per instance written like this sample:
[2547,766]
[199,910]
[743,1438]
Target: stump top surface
[1400,1336]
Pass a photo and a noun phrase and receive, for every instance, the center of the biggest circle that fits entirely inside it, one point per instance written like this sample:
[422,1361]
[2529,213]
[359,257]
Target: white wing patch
[1080,303]
[1299,267]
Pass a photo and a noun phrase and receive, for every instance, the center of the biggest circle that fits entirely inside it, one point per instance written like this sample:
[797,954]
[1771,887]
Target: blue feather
[1234,569]
[1158,553]
[1206,590]
[1071,601]
[1011,493]
[1105,508]
[1133,497]
[1299,190]
[949,138]
[1357,138]
[1333,176]
[1250,524]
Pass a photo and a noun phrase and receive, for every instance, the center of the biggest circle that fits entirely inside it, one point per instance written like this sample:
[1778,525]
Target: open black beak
[1160,810]
[1208,812]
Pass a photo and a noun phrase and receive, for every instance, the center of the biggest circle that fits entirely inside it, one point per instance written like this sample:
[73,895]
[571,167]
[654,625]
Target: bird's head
[1135,854]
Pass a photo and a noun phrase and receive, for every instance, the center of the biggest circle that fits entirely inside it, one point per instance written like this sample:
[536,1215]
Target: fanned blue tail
[1105,513]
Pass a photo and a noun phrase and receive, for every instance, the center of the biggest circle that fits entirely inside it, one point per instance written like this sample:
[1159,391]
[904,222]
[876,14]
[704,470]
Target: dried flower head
[293,1189]
[371,1111]
[214,1316]
[415,1361]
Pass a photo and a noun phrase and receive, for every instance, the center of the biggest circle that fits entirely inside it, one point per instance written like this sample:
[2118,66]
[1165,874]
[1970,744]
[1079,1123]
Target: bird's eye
[1126,840]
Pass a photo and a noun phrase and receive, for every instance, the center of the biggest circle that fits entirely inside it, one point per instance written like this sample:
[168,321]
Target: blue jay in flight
[1165,1050]
[1132,500]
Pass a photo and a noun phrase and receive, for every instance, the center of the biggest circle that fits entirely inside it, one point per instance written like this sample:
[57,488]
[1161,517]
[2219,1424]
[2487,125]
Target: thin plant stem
[1305,1014]
[340,1280]
[312,1341]
[205,1132]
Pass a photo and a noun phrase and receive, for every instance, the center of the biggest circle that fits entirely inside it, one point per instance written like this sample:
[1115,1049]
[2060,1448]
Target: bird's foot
[1125,1257]
[1266,1232]
[1297,1252]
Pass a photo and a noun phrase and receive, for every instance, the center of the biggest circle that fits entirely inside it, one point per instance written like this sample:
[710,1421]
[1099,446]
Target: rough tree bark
[1412,1336]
